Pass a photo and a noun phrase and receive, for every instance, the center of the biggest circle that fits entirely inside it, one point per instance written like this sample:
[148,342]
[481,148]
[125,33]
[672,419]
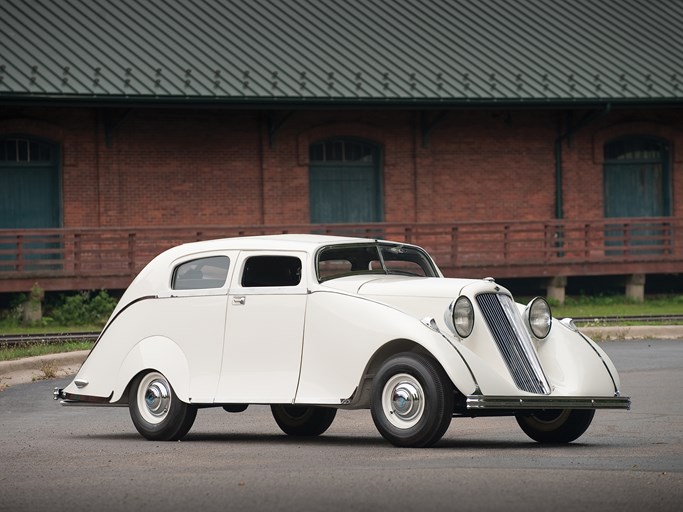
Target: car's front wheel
[412,400]
[298,420]
[156,411]
[555,426]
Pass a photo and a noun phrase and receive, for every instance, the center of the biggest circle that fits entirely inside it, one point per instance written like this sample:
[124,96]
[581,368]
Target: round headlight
[540,317]
[462,317]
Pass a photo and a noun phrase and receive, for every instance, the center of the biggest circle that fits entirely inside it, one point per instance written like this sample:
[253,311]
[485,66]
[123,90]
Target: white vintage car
[310,324]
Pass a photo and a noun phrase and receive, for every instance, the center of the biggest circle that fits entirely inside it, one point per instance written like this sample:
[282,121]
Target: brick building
[536,140]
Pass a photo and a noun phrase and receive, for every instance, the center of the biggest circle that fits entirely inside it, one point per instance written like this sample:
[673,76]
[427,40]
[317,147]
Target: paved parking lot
[55,458]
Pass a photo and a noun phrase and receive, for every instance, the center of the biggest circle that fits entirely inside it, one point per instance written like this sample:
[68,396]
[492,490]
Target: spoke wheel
[156,411]
[297,420]
[555,426]
[412,400]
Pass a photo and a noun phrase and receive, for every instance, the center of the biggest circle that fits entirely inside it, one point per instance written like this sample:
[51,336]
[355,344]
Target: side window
[202,273]
[271,271]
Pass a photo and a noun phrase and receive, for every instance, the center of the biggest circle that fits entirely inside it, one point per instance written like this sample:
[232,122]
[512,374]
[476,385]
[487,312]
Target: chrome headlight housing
[539,317]
[460,317]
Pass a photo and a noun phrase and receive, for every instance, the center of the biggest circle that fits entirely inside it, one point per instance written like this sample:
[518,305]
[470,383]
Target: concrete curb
[32,363]
[634,332]
[28,369]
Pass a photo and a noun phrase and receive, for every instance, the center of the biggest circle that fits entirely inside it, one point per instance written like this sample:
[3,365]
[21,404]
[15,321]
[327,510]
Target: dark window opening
[14,150]
[271,271]
[339,150]
[635,149]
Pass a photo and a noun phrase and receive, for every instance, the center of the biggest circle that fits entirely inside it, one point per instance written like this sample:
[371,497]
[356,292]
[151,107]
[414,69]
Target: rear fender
[160,354]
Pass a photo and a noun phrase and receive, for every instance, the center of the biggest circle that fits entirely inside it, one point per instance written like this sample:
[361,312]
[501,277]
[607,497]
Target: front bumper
[515,403]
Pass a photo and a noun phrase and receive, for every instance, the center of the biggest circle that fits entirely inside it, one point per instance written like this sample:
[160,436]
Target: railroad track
[13,340]
[629,318]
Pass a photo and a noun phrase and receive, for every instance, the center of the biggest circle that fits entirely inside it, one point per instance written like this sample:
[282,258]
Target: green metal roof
[352,51]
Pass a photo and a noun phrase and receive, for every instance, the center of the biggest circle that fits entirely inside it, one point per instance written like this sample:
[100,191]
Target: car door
[264,329]
[191,313]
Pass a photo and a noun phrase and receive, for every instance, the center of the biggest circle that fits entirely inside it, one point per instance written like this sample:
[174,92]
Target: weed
[49,370]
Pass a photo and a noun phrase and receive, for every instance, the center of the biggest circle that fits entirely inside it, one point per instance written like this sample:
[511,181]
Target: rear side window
[202,273]
[272,271]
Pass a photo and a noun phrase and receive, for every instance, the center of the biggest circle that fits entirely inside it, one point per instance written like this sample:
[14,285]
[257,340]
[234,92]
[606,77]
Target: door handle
[239,300]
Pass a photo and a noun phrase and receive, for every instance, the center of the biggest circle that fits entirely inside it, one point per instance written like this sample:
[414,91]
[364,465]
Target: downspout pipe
[572,130]
[559,208]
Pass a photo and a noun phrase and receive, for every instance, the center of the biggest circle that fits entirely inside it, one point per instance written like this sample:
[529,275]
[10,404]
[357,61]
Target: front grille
[513,340]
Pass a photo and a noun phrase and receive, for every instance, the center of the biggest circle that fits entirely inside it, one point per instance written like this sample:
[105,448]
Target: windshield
[379,258]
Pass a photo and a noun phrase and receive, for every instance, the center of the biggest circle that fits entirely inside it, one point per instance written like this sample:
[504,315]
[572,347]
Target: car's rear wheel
[412,400]
[156,411]
[555,426]
[297,420]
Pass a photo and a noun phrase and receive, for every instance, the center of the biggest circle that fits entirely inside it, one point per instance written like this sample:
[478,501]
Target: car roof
[301,242]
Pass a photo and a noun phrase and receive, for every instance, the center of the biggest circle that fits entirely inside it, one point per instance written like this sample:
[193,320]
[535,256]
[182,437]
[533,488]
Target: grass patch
[12,327]
[7,354]
[617,306]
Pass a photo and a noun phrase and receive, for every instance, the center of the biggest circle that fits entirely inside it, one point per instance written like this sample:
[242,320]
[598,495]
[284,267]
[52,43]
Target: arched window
[345,181]
[25,151]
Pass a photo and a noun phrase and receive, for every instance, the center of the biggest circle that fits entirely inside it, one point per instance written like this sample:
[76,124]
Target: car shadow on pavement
[343,441]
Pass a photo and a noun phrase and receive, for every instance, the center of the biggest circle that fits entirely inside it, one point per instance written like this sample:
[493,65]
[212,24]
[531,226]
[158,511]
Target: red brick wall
[217,167]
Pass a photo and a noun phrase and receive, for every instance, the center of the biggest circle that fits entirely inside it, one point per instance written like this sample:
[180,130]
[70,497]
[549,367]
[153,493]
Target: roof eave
[333,103]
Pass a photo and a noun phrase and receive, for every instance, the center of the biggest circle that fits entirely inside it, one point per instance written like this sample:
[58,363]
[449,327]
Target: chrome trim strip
[546,402]
[477,389]
[614,382]
[78,403]
[75,399]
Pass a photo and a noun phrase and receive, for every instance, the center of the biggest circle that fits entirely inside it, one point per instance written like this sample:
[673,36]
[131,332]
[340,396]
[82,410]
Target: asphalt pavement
[88,458]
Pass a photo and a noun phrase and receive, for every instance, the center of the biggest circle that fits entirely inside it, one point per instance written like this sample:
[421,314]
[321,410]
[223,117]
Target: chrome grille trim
[514,343]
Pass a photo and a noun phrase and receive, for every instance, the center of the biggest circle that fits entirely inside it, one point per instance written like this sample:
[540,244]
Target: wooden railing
[503,249]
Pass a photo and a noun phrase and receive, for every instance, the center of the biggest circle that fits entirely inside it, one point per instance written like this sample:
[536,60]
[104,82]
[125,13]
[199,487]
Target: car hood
[420,297]
[401,286]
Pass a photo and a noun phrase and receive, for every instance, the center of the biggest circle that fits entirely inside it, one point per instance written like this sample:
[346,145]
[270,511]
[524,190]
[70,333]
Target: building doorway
[345,182]
[29,199]
[29,183]
[637,185]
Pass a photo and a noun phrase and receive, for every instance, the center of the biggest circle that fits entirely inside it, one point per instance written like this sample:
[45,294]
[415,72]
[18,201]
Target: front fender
[155,353]
[344,333]
[575,365]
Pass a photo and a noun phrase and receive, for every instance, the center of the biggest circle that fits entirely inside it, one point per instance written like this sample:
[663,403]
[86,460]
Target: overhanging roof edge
[148,101]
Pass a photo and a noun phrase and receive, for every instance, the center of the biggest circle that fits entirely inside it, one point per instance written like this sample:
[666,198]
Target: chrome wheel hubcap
[403,400]
[154,397]
[157,398]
